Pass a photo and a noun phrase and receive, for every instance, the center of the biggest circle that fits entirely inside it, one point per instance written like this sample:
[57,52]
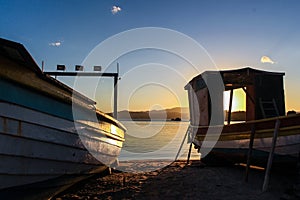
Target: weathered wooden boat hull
[233,143]
[48,131]
[27,156]
[265,105]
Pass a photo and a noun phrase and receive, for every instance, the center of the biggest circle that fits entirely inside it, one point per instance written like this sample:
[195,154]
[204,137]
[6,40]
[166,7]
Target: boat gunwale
[267,133]
[230,132]
[106,133]
[245,123]
[56,143]
[67,98]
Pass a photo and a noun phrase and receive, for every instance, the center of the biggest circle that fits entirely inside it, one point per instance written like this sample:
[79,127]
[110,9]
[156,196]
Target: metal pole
[42,66]
[116,78]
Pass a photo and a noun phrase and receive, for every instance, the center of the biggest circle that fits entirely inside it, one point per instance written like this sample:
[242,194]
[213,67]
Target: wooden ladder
[268,108]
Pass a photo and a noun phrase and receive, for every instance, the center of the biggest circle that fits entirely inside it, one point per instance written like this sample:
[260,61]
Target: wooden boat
[39,137]
[265,105]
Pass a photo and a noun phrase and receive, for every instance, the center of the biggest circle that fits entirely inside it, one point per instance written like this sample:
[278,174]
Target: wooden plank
[195,120]
[230,107]
[203,98]
[250,103]
[182,143]
[271,155]
[34,149]
[250,151]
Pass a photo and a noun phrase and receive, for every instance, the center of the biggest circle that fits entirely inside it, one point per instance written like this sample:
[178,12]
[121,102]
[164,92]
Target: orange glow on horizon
[151,97]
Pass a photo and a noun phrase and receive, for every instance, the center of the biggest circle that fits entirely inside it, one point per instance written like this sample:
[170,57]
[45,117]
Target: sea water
[156,140]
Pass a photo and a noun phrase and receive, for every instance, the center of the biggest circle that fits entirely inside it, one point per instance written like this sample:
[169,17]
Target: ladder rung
[267,102]
[269,109]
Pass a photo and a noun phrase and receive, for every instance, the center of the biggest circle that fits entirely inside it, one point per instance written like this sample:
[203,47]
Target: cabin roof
[17,53]
[232,79]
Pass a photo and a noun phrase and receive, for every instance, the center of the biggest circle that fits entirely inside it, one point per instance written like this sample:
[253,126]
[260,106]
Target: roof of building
[232,79]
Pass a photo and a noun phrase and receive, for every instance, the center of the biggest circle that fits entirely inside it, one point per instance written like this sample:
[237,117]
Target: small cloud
[266,59]
[55,44]
[115,9]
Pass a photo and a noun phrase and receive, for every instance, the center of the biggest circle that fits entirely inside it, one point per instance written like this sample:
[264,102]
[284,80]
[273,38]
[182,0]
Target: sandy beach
[181,181]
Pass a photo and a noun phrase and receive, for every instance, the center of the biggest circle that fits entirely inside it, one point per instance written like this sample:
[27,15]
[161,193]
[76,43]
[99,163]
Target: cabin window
[238,107]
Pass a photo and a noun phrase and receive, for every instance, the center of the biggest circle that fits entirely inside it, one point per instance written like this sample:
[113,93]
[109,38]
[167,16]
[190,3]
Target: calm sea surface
[158,140]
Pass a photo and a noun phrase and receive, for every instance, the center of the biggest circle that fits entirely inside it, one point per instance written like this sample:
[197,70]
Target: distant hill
[170,114]
[167,114]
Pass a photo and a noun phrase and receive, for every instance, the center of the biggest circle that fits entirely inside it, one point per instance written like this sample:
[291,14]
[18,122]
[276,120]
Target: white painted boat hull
[35,147]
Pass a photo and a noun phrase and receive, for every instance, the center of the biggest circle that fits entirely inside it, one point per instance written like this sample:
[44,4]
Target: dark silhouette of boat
[41,143]
[265,115]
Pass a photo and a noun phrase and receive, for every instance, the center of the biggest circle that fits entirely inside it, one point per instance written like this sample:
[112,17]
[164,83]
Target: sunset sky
[233,34]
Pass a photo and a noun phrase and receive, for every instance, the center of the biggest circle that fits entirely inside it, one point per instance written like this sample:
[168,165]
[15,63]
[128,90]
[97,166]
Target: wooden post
[230,107]
[189,154]
[186,133]
[250,150]
[247,94]
[271,155]
[296,186]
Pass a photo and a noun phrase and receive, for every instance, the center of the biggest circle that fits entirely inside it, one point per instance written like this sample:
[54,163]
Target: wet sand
[181,181]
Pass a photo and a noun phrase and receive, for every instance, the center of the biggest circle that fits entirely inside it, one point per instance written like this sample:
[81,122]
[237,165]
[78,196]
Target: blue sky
[234,33]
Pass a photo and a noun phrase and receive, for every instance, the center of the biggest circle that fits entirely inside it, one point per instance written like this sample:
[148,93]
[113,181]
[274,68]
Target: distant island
[171,114]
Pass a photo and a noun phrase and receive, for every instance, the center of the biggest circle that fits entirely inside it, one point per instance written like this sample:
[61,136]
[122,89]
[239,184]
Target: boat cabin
[264,95]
